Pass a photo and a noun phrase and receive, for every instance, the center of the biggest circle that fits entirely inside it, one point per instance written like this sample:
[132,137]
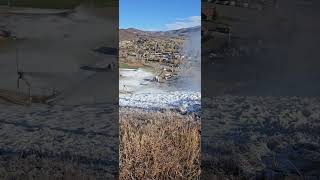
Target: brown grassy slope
[159,146]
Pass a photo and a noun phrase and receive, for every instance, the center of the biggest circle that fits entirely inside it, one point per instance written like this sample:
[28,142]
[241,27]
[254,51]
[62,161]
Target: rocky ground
[261,136]
[60,142]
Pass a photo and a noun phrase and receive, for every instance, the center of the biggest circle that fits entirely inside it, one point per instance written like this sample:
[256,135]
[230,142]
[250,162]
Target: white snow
[137,91]
[184,101]
[133,79]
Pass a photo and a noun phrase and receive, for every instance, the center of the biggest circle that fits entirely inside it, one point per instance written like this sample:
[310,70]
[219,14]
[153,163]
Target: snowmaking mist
[190,74]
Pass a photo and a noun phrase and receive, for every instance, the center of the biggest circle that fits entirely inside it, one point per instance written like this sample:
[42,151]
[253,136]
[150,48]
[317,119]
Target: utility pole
[9,3]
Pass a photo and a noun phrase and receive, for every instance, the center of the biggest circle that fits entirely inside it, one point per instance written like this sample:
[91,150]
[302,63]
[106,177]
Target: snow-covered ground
[133,80]
[138,91]
[184,101]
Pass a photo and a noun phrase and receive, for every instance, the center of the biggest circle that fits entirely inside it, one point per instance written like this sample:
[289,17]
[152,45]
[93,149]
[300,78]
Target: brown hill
[132,33]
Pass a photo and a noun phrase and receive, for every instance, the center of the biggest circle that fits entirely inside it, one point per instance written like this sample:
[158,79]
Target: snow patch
[183,101]
[134,79]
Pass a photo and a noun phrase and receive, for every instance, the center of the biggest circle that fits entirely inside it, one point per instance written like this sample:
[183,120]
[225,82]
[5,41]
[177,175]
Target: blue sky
[159,15]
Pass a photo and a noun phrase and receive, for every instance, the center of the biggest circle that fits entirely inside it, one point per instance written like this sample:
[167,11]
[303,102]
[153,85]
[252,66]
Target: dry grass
[159,146]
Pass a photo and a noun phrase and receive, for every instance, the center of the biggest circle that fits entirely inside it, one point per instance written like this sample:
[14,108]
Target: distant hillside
[132,33]
[180,32]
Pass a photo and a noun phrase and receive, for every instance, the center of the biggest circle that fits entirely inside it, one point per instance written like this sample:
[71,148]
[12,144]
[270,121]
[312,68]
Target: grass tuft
[159,146]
